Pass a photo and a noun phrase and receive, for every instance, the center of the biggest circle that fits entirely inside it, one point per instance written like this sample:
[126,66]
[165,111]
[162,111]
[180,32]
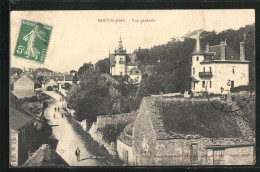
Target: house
[135,75]
[24,87]
[50,85]
[124,145]
[121,63]
[47,157]
[22,136]
[218,68]
[181,131]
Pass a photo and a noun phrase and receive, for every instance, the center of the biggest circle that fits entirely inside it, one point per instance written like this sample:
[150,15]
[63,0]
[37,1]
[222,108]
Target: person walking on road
[58,109]
[55,109]
[77,153]
[54,116]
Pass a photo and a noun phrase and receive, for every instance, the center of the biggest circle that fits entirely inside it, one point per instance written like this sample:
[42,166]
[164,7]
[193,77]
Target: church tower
[120,60]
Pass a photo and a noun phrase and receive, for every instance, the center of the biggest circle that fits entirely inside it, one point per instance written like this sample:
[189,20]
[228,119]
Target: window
[204,69]
[197,58]
[210,84]
[210,69]
[203,84]
[193,71]
[194,152]
[121,59]
[121,73]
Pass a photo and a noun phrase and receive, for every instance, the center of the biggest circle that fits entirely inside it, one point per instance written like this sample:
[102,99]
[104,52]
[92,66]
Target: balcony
[205,74]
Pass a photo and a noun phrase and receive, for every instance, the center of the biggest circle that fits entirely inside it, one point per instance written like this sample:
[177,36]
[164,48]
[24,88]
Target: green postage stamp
[33,40]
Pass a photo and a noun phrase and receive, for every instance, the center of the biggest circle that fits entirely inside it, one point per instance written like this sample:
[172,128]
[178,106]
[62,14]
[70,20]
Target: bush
[111,132]
[241,88]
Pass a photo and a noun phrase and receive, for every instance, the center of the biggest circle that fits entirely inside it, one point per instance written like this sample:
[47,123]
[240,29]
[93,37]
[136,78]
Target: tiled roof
[17,119]
[45,156]
[214,53]
[196,118]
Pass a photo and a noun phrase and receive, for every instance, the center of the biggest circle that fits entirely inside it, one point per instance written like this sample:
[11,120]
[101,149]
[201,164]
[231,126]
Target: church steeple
[197,49]
[120,49]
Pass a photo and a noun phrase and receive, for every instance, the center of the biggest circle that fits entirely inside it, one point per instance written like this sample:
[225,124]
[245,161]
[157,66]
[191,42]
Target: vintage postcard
[132,88]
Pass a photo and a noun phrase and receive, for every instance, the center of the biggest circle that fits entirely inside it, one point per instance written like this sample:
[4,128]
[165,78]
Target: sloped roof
[215,53]
[48,80]
[126,135]
[112,59]
[181,117]
[22,76]
[45,156]
[17,119]
[110,78]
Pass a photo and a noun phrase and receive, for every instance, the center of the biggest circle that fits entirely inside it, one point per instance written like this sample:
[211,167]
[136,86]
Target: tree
[14,70]
[84,68]
[94,96]
[103,65]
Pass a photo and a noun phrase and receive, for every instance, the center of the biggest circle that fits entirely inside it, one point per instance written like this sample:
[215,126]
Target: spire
[197,49]
[120,47]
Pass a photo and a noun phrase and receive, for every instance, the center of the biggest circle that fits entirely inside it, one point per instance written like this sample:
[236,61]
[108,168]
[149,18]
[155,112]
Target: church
[218,68]
[124,64]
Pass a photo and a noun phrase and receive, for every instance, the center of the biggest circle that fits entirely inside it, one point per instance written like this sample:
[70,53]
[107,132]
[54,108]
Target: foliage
[84,68]
[14,70]
[111,132]
[92,97]
[172,61]
[103,65]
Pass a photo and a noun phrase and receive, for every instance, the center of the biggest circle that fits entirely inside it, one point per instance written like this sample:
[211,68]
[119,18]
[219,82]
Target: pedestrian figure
[77,153]
[62,115]
[58,109]
[54,116]
[55,109]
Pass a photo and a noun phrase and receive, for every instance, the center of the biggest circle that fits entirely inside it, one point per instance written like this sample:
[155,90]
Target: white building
[121,63]
[218,68]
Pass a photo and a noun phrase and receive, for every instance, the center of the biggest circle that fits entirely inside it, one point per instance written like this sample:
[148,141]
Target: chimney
[207,47]
[222,50]
[242,51]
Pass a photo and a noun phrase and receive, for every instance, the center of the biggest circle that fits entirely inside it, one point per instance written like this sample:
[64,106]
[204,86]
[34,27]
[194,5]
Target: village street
[63,131]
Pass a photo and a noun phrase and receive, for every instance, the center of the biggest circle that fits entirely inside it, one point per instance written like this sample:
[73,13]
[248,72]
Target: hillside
[172,61]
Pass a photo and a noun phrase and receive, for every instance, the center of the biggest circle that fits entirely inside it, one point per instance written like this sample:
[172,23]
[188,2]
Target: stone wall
[122,119]
[98,137]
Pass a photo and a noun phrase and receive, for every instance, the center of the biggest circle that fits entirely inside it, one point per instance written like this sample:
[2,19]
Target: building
[45,157]
[124,145]
[181,131]
[192,35]
[135,75]
[218,68]
[50,85]
[121,63]
[22,136]
[24,87]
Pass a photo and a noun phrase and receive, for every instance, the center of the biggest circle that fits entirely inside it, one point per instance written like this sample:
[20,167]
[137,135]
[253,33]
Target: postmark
[33,40]
[231,101]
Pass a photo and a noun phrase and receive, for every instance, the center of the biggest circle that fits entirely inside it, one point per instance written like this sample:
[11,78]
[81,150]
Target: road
[63,131]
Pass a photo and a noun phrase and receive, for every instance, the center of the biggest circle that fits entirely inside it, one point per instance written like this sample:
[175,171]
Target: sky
[78,37]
